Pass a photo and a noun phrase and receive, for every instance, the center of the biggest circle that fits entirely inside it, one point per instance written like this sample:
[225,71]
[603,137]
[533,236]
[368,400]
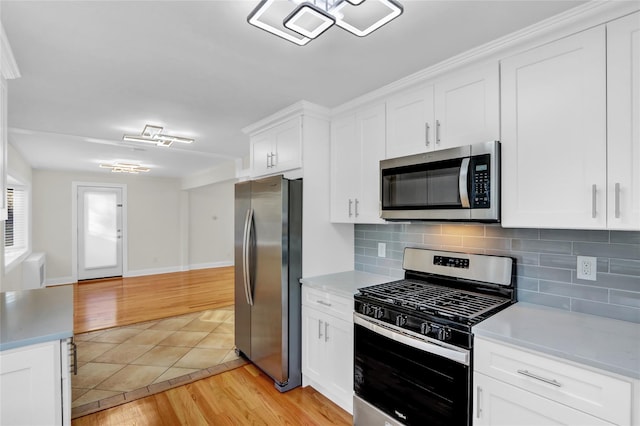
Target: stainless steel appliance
[268,266]
[413,340]
[461,183]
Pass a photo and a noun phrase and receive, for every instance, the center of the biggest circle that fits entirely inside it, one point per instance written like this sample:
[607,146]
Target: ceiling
[92,71]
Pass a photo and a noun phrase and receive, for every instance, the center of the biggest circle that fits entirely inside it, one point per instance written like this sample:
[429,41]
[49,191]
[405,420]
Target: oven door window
[411,385]
[423,186]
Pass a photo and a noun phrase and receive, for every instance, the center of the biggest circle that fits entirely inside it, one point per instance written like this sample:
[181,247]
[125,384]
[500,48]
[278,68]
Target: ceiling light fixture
[125,168]
[311,18]
[154,135]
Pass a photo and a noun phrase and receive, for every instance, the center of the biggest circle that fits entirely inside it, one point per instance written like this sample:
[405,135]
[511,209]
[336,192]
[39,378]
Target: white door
[345,168]
[99,232]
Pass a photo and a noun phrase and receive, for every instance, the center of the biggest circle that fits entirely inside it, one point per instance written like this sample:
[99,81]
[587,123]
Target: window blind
[15,227]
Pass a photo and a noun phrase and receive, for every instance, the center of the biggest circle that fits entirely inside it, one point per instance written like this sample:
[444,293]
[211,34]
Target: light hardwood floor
[122,301]
[238,397]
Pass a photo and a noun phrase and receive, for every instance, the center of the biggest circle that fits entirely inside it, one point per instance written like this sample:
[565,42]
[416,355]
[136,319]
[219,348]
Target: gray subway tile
[366,243]
[423,228]
[574,235]
[407,238]
[371,252]
[365,260]
[551,300]
[365,227]
[358,234]
[626,298]
[377,235]
[358,250]
[486,243]
[570,262]
[524,283]
[389,263]
[619,251]
[544,273]
[614,281]
[625,237]
[624,267]
[623,313]
[443,240]
[358,266]
[522,233]
[541,246]
[521,257]
[462,229]
[574,291]
[390,227]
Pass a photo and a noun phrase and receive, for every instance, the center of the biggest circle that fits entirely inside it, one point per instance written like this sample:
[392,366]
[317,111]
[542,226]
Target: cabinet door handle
[357,202]
[326,331]
[437,132]
[350,203]
[74,348]
[322,302]
[268,160]
[274,159]
[594,193]
[542,379]
[319,329]
[426,134]
[478,399]
[617,197]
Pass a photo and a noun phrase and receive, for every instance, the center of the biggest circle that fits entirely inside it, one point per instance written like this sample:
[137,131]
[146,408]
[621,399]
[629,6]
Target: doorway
[100,231]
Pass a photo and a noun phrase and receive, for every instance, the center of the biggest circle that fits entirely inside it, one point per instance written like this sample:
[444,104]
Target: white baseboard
[210,265]
[155,271]
[49,282]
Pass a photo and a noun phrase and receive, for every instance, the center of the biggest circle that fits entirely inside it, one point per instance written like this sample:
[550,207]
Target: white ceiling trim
[8,62]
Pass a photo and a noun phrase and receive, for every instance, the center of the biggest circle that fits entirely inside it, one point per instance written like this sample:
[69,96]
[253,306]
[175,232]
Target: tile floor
[124,359]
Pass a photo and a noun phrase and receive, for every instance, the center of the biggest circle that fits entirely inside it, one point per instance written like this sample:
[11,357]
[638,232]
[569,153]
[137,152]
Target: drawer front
[598,394]
[332,304]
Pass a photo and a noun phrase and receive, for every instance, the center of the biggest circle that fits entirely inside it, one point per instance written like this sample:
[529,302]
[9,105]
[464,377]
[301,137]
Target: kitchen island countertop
[35,316]
[604,343]
[345,283]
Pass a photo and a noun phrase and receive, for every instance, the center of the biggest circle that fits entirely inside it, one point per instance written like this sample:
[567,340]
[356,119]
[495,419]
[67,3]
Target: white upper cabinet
[277,149]
[357,146]
[458,109]
[623,123]
[468,107]
[410,122]
[554,134]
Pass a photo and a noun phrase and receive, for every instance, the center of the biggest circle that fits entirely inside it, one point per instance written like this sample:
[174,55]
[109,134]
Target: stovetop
[420,296]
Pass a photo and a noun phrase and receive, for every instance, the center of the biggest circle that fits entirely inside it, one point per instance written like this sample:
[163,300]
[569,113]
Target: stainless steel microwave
[460,184]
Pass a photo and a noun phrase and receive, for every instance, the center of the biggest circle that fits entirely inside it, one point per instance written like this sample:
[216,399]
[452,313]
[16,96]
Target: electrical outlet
[382,250]
[587,268]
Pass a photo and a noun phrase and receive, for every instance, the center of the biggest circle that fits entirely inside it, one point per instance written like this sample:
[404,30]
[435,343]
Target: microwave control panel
[480,182]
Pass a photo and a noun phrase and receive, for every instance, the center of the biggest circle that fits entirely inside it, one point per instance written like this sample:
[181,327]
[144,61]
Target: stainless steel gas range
[413,341]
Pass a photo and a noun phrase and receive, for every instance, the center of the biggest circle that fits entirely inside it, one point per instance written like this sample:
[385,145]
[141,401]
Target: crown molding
[579,18]
[8,64]
[300,108]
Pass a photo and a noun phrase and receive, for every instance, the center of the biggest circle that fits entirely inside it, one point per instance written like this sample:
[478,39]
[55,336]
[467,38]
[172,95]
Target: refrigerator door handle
[245,257]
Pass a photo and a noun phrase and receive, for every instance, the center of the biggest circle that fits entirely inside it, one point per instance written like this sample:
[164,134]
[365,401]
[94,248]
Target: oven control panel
[452,262]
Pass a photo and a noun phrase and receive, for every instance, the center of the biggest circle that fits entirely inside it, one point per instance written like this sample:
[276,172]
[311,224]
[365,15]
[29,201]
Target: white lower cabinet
[498,403]
[327,347]
[35,386]
[513,386]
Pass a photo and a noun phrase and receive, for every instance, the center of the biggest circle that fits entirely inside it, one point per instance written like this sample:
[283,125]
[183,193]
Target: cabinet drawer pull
[350,204]
[437,132]
[326,331]
[594,193]
[478,400]
[74,349]
[319,329]
[322,302]
[542,379]
[426,134]
[617,197]
[357,202]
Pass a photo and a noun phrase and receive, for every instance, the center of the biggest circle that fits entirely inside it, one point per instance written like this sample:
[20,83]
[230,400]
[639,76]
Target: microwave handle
[462,183]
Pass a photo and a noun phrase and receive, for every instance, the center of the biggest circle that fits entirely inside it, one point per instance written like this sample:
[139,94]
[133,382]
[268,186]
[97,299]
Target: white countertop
[345,283]
[604,343]
[35,316]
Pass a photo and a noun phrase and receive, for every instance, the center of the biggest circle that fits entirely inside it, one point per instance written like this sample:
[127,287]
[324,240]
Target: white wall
[211,225]
[153,210]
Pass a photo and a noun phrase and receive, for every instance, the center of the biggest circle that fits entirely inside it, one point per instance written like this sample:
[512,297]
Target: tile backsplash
[546,261]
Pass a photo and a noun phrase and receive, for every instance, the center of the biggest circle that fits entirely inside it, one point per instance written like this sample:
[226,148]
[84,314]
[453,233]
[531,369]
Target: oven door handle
[458,355]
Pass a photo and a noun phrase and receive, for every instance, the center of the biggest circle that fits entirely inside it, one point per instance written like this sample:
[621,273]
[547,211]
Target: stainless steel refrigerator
[268,267]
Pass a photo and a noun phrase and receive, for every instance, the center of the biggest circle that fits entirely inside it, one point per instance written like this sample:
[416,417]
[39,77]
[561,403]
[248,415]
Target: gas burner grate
[435,299]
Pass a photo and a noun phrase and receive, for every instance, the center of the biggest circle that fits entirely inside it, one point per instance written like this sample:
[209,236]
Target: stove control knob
[425,328]
[378,312]
[365,308]
[401,320]
[444,334]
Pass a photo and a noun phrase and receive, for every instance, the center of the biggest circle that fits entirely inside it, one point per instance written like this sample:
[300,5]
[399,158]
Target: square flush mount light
[309,20]
[153,134]
[367,16]
[268,16]
[300,21]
